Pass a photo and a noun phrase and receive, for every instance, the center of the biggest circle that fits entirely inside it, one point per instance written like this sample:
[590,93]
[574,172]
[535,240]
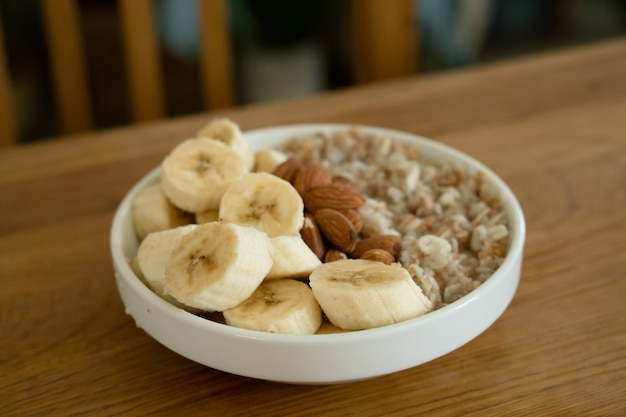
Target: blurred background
[281,49]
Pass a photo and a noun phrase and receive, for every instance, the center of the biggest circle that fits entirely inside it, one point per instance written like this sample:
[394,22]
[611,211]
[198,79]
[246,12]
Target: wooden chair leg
[216,54]
[384,39]
[69,69]
[8,122]
[145,77]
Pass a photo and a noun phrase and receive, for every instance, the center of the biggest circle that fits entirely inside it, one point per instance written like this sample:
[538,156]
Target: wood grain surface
[552,126]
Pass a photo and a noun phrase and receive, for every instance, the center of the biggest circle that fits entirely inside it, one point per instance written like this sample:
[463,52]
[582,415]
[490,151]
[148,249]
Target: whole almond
[288,169]
[311,176]
[334,255]
[379,255]
[337,229]
[312,236]
[355,218]
[332,196]
[390,243]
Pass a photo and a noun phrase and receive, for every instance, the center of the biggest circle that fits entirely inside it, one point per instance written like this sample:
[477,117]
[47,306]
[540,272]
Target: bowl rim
[517,231]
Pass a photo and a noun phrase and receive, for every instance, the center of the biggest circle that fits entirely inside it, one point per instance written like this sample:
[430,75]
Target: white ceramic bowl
[327,358]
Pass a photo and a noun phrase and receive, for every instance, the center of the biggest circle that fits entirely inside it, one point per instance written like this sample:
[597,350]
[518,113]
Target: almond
[311,176]
[312,236]
[379,255]
[390,243]
[288,169]
[355,218]
[332,196]
[334,255]
[337,229]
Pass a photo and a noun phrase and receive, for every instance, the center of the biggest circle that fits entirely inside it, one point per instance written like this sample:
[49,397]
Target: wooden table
[553,126]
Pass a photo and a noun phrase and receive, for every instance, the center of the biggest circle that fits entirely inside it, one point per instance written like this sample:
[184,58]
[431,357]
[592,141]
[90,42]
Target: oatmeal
[451,223]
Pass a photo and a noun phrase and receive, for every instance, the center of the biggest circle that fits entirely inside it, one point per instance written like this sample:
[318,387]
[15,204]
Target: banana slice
[283,306]
[151,260]
[211,215]
[229,133]
[265,202]
[292,258]
[196,173]
[154,252]
[153,212]
[267,159]
[217,265]
[359,294]
[134,266]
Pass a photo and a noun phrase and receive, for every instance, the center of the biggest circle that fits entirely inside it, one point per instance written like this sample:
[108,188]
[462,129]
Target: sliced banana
[265,202]
[217,265]
[197,172]
[154,252]
[229,133]
[134,266]
[359,294]
[267,159]
[153,212]
[211,215]
[151,260]
[284,306]
[292,258]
